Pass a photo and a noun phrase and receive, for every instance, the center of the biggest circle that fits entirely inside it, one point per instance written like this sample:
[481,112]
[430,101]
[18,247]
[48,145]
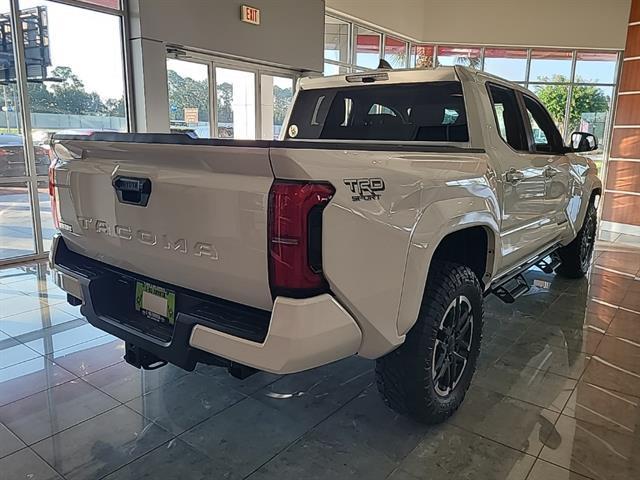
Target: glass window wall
[16,223]
[596,67]
[336,39]
[467,56]
[72,78]
[367,53]
[590,111]
[509,63]
[236,104]
[220,98]
[333,69]
[276,96]
[395,52]
[550,66]
[422,56]
[188,88]
[576,86]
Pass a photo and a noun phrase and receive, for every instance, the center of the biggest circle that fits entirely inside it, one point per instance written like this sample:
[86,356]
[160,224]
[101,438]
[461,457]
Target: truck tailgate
[203,225]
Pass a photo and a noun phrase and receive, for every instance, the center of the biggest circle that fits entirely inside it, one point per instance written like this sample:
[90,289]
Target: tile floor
[556,396]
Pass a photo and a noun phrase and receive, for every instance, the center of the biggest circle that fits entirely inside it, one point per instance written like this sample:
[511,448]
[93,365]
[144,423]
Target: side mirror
[583,142]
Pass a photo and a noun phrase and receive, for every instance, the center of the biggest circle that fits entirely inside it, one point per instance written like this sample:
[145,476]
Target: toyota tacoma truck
[393,202]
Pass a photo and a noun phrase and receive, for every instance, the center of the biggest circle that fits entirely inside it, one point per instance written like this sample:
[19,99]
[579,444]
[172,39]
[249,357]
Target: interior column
[621,209]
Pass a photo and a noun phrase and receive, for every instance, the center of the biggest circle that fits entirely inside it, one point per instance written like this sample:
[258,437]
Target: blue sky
[88,42]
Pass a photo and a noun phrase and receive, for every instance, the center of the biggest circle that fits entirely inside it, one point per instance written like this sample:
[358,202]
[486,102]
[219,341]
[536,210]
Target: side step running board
[512,289]
[549,266]
[513,285]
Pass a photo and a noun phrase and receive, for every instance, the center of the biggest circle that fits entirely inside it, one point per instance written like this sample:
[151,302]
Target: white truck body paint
[205,227]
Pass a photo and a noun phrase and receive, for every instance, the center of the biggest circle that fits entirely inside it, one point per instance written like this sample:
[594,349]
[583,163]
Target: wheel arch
[473,246]
[455,239]
[592,189]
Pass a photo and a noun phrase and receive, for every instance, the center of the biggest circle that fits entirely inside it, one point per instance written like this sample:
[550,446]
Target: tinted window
[546,137]
[508,117]
[380,110]
[409,112]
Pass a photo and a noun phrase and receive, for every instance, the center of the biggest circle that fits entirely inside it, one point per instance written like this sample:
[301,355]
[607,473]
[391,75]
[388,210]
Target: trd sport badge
[364,188]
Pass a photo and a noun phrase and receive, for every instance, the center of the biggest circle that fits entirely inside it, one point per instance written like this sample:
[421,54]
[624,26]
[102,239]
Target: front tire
[428,376]
[576,256]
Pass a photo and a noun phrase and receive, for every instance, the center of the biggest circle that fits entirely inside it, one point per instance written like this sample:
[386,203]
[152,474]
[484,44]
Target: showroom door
[276,93]
[236,103]
[189,96]
[229,99]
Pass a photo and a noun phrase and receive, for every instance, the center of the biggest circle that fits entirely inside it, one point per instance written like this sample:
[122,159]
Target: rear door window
[427,112]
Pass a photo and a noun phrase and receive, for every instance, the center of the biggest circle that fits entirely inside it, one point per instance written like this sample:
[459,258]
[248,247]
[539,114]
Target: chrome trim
[536,223]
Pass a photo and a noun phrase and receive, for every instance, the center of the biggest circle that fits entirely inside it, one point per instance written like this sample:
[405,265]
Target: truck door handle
[550,172]
[132,190]
[514,176]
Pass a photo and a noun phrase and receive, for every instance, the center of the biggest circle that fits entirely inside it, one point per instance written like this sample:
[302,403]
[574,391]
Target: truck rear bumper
[298,334]
[303,334]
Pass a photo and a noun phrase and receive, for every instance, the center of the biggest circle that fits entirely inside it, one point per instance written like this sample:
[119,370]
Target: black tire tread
[570,254]
[403,376]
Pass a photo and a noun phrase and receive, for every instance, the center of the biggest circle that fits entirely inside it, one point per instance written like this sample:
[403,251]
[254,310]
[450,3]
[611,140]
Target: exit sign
[250,15]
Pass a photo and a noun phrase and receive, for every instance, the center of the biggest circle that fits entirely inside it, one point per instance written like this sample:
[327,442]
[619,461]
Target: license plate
[155,302]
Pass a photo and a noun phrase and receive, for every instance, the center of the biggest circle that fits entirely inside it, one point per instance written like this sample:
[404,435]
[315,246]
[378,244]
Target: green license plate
[155,302]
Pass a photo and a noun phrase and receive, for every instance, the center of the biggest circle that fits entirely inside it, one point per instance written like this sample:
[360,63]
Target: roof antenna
[384,65]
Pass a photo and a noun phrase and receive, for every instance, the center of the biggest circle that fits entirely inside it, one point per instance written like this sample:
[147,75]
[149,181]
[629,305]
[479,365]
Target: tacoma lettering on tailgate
[148,238]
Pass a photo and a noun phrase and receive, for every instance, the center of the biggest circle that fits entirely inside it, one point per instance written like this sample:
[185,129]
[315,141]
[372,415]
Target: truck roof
[438,74]
[405,75]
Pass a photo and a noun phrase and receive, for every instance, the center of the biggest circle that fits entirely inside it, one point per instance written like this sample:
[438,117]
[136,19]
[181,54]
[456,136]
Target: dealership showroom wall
[556,389]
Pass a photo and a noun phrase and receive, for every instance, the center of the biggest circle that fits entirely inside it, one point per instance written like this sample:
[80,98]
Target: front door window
[546,137]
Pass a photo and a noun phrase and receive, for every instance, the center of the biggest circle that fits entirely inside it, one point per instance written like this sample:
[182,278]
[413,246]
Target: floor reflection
[556,395]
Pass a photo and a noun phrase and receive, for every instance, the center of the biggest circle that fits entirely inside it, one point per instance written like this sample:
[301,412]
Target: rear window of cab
[423,112]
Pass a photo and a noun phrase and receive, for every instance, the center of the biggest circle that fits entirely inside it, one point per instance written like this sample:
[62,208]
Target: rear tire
[428,376]
[576,257]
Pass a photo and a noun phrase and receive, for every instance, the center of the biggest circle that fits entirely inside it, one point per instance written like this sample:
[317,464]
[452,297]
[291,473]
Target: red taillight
[52,190]
[53,194]
[295,237]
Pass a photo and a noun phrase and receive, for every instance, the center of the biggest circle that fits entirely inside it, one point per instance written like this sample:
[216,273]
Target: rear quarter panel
[366,243]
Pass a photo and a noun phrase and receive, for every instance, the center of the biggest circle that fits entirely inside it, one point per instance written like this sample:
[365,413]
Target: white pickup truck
[393,203]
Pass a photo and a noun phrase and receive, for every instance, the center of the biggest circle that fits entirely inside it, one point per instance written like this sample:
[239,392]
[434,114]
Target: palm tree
[473,62]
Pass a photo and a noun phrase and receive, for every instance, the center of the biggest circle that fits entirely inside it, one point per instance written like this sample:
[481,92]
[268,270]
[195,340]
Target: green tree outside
[281,102]
[189,93]
[224,92]
[69,96]
[586,99]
